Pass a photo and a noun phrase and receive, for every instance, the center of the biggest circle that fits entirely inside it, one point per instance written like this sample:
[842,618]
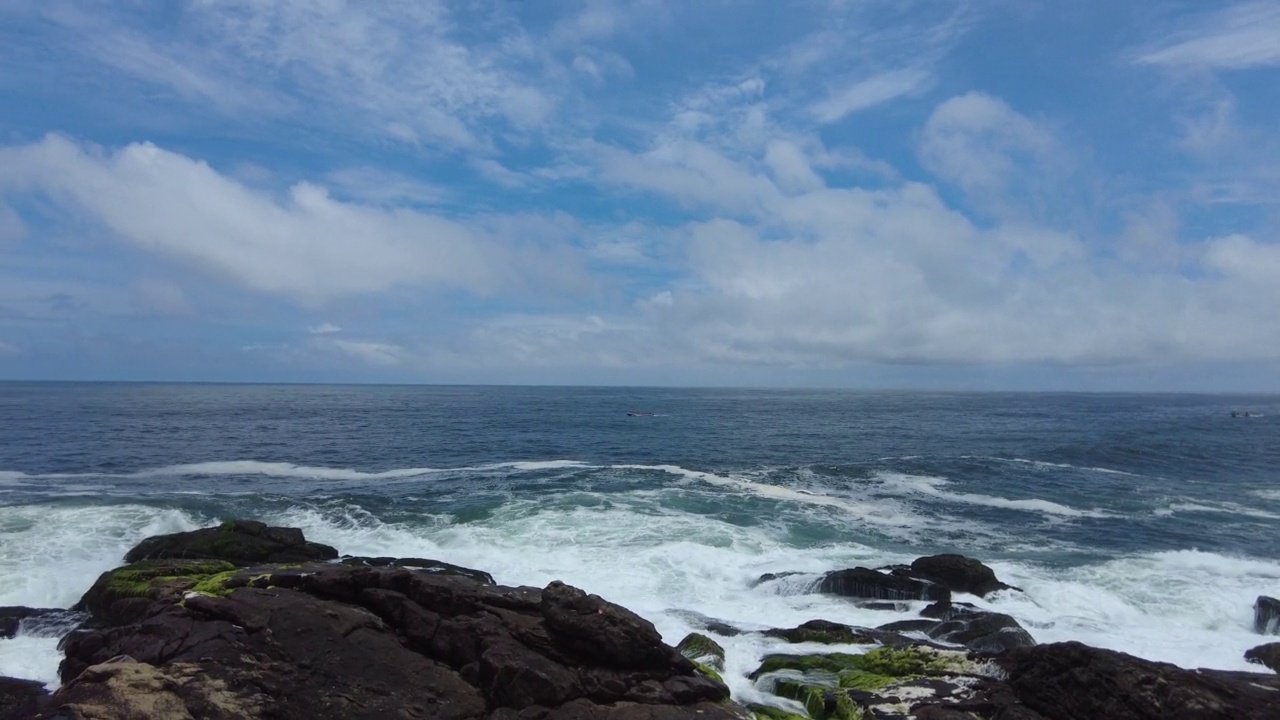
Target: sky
[938,194]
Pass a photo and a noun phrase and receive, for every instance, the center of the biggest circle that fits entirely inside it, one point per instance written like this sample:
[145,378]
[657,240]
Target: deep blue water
[1173,449]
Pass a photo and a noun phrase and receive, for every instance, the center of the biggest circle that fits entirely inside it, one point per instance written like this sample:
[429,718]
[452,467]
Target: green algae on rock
[705,654]
[145,581]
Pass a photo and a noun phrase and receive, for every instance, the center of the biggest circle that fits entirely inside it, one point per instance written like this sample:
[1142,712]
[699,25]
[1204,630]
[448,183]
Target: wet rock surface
[863,582]
[957,573]
[21,699]
[1266,615]
[1268,655]
[408,639]
[239,542]
[1066,681]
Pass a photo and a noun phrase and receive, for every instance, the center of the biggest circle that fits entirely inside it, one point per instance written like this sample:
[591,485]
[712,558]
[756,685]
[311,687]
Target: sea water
[1143,523]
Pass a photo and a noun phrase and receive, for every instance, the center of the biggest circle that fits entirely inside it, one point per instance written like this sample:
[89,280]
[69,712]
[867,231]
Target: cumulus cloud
[787,269]
[306,245]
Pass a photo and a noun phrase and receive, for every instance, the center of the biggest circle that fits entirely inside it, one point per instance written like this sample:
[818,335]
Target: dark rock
[21,699]
[1268,655]
[602,632]
[979,630]
[909,626]
[239,542]
[866,583]
[1266,615]
[378,640]
[824,631]
[958,574]
[432,566]
[1069,681]
[771,577]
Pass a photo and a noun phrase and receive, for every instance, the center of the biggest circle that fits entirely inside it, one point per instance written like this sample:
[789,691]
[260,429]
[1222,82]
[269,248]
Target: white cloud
[1006,163]
[1243,36]
[1241,258]
[785,269]
[8,349]
[394,68]
[868,93]
[307,245]
[790,166]
[324,329]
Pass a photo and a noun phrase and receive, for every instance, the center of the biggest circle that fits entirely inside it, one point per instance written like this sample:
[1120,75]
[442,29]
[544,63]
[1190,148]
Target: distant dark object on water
[1242,414]
[637,413]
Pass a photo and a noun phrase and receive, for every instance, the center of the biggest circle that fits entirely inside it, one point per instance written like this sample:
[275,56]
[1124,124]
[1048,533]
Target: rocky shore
[243,620]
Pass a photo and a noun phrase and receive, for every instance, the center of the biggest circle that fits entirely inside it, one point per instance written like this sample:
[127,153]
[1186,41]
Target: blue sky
[937,194]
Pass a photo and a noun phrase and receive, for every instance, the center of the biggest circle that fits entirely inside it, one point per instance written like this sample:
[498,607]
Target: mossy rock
[702,650]
[887,661]
[846,686]
[146,581]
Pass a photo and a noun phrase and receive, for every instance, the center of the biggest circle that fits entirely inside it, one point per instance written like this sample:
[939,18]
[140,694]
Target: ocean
[1142,523]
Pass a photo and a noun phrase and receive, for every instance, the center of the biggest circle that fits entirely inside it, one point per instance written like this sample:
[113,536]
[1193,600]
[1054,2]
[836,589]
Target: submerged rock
[239,542]
[978,630]
[958,574]
[863,582]
[1266,615]
[1268,655]
[37,622]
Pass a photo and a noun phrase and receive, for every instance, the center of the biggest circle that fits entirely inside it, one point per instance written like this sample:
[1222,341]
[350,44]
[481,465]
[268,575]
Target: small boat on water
[637,413]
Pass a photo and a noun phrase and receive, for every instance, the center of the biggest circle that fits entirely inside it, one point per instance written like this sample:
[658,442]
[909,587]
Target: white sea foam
[1194,609]
[282,470]
[1047,464]
[887,515]
[234,468]
[1226,508]
[932,487]
[31,658]
[1268,494]
[50,555]
[542,465]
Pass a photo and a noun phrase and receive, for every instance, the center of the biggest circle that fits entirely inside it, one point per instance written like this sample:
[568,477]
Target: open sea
[1143,523]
